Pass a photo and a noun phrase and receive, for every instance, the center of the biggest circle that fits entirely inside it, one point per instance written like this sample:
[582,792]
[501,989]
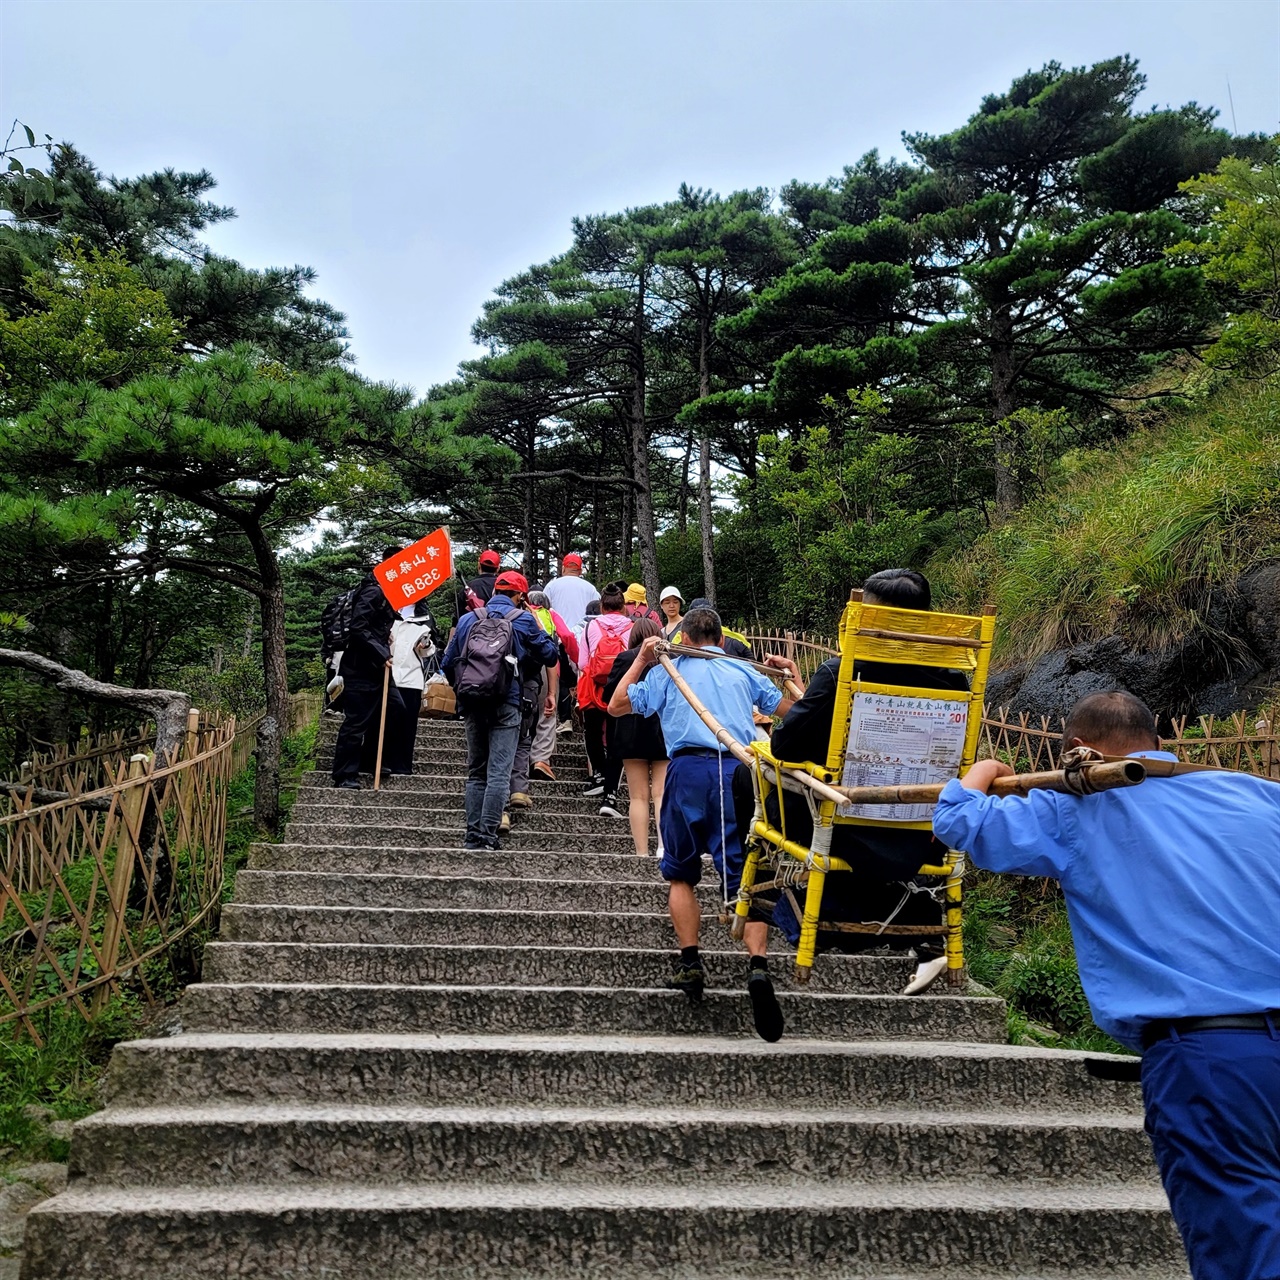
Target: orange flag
[414,573]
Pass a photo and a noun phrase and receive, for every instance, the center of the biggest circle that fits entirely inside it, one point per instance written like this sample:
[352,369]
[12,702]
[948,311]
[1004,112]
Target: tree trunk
[1008,481]
[706,519]
[645,528]
[266,787]
[528,545]
[682,506]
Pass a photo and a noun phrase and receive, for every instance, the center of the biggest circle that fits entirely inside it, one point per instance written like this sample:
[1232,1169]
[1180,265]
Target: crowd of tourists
[1172,888]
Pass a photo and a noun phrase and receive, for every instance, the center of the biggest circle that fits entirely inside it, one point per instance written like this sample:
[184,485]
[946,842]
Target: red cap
[511,581]
[574,559]
[490,557]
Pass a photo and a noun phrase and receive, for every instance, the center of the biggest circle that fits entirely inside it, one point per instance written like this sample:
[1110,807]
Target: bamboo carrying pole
[382,727]
[688,651]
[1095,777]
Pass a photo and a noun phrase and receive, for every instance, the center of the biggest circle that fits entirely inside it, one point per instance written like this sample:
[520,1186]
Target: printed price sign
[896,741]
[414,573]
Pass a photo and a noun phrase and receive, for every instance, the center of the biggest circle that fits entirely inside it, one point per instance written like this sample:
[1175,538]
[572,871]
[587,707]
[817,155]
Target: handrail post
[132,800]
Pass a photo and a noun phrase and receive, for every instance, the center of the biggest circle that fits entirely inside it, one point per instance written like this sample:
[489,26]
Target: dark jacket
[805,734]
[631,737]
[533,647]
[482,585]
[369,639]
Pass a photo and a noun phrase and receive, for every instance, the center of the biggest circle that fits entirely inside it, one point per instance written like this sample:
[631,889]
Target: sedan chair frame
[881,634]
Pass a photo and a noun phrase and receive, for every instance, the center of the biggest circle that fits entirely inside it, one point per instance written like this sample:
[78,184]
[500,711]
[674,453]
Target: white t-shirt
[569,597]
[406,656]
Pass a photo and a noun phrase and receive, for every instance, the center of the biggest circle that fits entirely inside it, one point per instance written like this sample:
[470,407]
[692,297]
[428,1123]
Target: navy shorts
[691,817]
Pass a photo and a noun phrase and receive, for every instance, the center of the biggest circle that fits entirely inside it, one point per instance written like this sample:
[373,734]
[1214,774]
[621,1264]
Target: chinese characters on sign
[414,573]
[896,741]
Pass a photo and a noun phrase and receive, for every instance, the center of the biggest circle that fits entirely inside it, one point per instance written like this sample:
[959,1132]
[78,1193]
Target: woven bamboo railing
[113,882]
[1247,741]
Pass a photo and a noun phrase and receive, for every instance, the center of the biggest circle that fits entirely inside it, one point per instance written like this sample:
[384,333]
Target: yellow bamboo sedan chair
[872,633]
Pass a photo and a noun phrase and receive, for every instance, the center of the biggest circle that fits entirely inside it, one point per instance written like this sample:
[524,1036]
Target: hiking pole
[688,651]
[382,727]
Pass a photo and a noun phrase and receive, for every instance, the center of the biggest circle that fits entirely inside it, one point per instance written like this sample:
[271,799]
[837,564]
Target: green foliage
[1132,539]
[1017,941]
[92,320]
[1241,253]
[834,511]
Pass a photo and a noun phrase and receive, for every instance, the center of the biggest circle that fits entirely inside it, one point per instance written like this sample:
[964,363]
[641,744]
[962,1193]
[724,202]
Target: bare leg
[638,807]
[686,915]
[756,937]
[657,784]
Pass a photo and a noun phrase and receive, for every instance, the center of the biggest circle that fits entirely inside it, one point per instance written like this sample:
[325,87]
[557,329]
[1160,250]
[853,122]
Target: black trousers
[603,761]
[356,749]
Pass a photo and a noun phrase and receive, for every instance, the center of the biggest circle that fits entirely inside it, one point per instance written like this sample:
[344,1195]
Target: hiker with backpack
[469,596]
[483,664]
[365,644]
[603,639]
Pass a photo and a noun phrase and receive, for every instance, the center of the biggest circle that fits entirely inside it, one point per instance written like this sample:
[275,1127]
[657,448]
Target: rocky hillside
[1153,565]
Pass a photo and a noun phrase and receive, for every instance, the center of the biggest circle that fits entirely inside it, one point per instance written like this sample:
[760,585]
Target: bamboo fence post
[132,800]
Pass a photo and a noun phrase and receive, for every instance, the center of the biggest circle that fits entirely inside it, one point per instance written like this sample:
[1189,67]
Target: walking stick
[382,728]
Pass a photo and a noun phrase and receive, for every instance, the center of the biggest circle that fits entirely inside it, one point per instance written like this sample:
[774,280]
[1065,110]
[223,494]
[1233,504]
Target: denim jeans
[492,735]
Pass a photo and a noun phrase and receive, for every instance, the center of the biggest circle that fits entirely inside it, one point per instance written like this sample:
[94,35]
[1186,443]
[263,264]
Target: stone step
[459,1009]
[433,791]
[336,890]
[566,838]
[455,752]
[818,1228]
[605,1070]
[529,966]
[226,1145]
[440,820]
[513,861]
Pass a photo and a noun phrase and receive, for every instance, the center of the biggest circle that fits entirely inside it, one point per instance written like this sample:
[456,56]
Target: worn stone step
[820,1228]
[523,965]
[455,751]
[299,1145]
[512,861]
[434,791]
[603,1070]
[442,819]
[479,1008]
[496,893]
[568,837]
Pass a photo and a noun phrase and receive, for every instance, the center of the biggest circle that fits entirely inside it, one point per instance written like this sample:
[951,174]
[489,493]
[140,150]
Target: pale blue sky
[418,153]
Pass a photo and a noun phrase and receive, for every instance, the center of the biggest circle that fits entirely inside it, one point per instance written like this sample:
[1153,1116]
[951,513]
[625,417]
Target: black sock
[689,955]
[759,962]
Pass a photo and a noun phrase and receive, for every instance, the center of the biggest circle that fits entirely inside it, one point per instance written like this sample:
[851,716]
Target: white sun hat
[668,592]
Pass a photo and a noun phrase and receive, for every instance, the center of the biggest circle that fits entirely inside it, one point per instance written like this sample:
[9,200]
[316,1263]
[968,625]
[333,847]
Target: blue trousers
[697,810]
[492,736]
[1213,1116]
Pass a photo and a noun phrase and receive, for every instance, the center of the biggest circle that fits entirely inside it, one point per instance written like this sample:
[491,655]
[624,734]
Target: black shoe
[690,979]
[348,784]
[478,847]
[595,787]
[609,807]
[764,1006]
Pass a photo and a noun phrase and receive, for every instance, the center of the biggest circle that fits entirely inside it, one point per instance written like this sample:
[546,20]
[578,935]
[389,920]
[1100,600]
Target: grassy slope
[1132,538]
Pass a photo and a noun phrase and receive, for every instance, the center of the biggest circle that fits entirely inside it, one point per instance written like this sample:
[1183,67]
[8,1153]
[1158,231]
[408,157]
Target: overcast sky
[416,154]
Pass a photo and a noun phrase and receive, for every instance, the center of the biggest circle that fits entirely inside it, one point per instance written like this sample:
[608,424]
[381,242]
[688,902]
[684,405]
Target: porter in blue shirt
[1172,886]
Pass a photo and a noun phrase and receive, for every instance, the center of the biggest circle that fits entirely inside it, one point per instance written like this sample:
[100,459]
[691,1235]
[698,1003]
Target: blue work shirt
[728,690]
[533,647]
[1172,887]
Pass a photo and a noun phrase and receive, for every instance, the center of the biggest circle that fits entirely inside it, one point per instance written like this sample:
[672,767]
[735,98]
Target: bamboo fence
[118,880]
[1248,741]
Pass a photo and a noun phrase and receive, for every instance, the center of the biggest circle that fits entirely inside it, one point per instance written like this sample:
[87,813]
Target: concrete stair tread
[300,1113]
[736,1196]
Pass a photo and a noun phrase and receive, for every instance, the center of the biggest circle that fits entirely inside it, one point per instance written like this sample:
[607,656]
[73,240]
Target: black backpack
[335,624]
[487,663]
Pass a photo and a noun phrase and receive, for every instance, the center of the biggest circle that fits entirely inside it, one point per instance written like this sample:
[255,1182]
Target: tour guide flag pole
[410,575]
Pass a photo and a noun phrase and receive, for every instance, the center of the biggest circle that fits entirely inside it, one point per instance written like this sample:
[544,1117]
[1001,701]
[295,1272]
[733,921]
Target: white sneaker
[925,976]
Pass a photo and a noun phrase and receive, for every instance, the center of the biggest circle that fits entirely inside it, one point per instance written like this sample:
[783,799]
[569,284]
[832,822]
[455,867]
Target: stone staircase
[407,1060]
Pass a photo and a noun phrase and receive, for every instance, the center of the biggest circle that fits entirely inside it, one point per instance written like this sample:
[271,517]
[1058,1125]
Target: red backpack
[596,674]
